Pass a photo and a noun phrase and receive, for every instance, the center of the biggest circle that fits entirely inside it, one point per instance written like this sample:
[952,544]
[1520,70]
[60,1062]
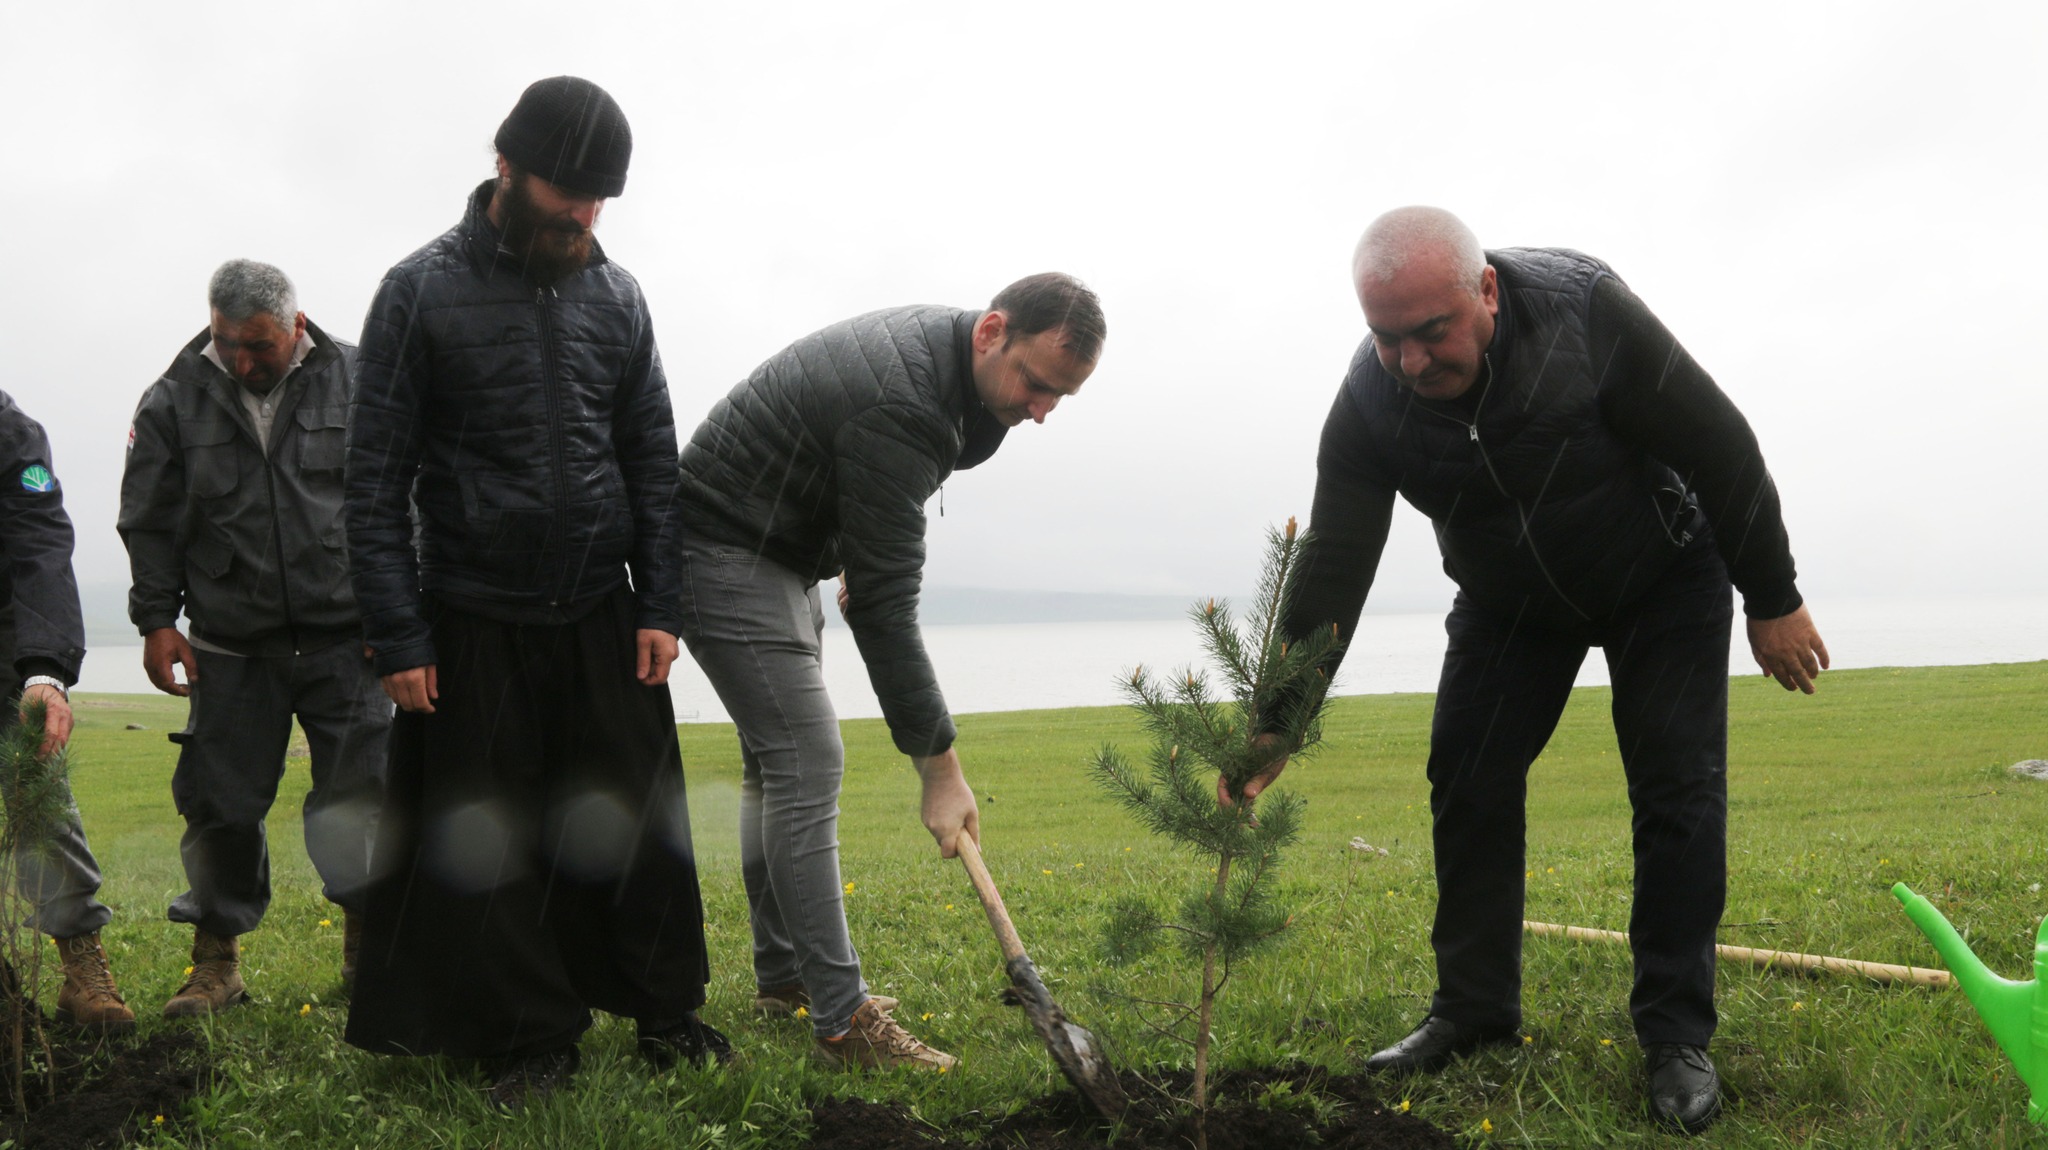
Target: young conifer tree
[35,799]
[1276,694]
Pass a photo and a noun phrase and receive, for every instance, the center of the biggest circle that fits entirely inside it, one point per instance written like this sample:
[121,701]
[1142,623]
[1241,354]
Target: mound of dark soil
[1259,1109]
[108,1090]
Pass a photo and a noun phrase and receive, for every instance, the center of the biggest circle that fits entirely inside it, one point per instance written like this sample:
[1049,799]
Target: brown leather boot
[351,946]
[216,979]
[89,996]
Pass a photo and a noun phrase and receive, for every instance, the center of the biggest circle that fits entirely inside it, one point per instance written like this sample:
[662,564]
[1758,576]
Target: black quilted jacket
[822,461]
[1541,511]
[532,428]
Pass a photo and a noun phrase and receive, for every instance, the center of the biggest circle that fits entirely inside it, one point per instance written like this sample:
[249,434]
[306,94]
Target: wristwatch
[47,681]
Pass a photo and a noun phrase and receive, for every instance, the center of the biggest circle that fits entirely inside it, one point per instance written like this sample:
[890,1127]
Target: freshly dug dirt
[1284,1106]
[109,1090]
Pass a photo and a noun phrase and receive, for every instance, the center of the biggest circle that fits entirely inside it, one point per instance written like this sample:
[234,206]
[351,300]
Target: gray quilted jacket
[822,461]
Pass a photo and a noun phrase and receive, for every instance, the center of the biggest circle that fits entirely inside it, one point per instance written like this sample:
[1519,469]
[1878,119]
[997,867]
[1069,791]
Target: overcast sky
[1837,207]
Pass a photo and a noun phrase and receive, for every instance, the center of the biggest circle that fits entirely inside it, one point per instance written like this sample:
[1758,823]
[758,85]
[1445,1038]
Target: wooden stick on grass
[1884,972]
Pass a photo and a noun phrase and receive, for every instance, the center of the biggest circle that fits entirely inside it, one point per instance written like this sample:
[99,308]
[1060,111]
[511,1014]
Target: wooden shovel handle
[991,898]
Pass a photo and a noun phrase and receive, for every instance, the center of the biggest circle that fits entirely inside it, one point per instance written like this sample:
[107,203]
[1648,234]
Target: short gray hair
[242,288]
[1397,237]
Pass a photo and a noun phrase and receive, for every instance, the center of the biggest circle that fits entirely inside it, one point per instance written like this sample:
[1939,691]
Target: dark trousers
[233,757]
[1502,691]
[534,860]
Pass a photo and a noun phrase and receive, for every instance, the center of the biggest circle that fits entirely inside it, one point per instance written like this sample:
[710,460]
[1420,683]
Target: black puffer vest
[1541,513]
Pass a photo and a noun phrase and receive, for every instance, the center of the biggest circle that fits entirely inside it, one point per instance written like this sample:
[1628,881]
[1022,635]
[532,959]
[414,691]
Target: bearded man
[534,859]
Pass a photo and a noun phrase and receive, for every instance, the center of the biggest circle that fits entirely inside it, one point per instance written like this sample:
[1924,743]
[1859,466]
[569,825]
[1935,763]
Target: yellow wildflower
[1045,872]
[1486,1125]
[927,1016]
[1528,1039]
[1404,1106]
[188,970]
[1607,1042]
[158,1120]
[305,1008]
[849,888]
[326,922]
[1799,1006]
[803,1012]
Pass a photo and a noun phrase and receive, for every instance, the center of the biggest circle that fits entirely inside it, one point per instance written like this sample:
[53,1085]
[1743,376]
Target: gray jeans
[233,758]
[58,877]
[755,627]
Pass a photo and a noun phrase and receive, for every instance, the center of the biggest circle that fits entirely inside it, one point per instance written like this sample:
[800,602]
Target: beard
[552,248]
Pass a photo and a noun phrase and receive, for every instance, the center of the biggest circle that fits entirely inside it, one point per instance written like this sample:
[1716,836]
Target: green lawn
[1885,775]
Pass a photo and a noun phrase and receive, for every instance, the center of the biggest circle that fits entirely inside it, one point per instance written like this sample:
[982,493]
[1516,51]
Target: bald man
[1590,486]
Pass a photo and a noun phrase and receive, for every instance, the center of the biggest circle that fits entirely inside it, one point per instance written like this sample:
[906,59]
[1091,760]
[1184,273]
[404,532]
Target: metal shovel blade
[1071,1046]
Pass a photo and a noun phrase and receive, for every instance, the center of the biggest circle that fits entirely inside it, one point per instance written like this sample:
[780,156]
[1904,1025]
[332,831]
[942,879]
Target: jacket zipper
[1528,536]
[548,389]
[284,583]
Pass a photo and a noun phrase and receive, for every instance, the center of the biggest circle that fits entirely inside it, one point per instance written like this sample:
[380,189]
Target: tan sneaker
[875,1042]
[89,996]
[783,1001]
[216,979]
[351,947]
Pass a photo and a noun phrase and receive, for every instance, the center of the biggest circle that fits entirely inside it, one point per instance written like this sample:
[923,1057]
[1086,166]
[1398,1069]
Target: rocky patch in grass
[1278,1106]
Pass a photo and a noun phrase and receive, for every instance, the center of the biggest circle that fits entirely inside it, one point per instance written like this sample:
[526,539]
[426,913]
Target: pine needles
[1275,694]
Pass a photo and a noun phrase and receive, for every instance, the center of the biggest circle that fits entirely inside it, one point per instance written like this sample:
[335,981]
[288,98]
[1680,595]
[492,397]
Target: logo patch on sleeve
[36,477]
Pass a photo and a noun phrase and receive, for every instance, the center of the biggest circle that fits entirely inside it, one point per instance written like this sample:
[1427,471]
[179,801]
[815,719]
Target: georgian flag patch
[36,477]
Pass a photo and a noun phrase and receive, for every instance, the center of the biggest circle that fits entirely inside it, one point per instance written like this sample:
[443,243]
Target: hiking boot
[533,1078]
[351,946]
[89,996]
[216,979]
[875,1042]
[783,1001]
[689,1040]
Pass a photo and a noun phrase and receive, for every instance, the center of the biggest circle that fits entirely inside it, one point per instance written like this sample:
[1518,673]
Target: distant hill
[106,608]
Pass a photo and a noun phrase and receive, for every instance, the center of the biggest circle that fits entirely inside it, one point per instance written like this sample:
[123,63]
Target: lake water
[1026,666]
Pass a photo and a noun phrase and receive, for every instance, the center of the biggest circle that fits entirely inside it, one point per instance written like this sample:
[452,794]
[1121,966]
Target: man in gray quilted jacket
[820,463]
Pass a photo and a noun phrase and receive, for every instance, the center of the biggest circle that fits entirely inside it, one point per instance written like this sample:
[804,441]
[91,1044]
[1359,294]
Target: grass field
[1885,775]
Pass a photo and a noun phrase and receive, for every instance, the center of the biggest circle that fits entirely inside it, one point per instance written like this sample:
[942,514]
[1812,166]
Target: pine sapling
[1276,691]
[35,802]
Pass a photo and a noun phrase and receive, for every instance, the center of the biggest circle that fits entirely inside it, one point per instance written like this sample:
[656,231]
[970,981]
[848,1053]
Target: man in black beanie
[534,858]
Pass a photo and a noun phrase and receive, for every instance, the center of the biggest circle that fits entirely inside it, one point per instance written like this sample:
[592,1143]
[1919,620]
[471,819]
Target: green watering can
[2016,1012]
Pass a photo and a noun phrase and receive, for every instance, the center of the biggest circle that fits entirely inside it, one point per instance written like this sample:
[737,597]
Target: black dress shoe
[533,1077]
[1434,1045]
[1685,1093]
[690,1040]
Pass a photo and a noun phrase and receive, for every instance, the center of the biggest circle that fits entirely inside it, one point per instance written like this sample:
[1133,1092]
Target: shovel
[1075,1050]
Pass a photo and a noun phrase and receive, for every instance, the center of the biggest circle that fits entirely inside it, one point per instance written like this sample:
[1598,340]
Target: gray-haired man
[231,510]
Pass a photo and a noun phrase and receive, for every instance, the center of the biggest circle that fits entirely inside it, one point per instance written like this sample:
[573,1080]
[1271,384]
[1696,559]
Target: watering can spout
[1975,977]
[2015,1012]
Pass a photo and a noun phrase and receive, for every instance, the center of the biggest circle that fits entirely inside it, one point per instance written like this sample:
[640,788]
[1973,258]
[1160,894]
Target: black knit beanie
[571,133]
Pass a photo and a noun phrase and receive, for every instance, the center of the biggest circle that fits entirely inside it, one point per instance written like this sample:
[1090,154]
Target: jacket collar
[191,366]
[484,244]
[980,432]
